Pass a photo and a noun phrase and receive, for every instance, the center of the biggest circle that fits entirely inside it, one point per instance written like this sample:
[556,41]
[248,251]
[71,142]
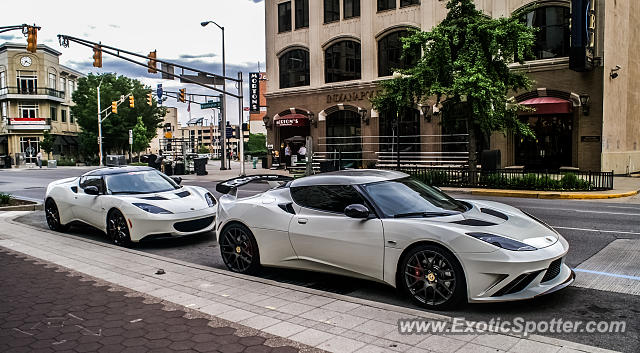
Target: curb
[36,206]
[542,195]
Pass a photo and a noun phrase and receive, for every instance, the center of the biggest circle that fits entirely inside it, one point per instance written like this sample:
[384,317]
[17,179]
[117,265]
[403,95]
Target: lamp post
[99,126]
[223,110]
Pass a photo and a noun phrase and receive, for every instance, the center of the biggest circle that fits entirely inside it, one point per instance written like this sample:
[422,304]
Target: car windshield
[142,182]
[412,198]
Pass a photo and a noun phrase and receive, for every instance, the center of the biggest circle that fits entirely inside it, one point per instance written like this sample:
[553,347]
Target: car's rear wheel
[52,215]
[117,229]
[239,249]
[432,277]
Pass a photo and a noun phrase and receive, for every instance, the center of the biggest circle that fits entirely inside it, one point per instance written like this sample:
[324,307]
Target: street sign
[130,137]
[159,92]
[203,78]
[229,132]
[210,104]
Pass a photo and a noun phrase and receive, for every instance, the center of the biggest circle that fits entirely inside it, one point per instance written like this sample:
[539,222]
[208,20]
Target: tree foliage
[256,145]
[140,136]
[115,129]
[465,63]
[47,142]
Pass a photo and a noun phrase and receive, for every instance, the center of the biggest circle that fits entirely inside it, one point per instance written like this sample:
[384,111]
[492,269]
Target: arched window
[390,53]
[552,38]
[343,137]
[409,131]
[342,61]
[294,68]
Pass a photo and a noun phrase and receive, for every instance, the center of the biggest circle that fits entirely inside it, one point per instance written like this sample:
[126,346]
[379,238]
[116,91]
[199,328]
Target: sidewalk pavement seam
[541,194]
[381,317]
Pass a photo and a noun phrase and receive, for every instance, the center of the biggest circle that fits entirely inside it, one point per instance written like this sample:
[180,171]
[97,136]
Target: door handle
[302,220]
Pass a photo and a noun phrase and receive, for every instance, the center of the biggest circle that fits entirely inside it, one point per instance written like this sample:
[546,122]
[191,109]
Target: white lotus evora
[388,227]
[130,204]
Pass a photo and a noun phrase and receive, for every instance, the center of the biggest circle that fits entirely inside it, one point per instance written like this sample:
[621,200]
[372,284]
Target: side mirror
[92,190]
[177,179]
[356,211]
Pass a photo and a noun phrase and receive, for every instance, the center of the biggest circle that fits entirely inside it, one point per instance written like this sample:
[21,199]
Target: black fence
[512,178]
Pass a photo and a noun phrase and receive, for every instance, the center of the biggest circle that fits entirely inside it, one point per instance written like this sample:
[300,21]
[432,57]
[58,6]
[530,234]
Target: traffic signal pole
[99,127]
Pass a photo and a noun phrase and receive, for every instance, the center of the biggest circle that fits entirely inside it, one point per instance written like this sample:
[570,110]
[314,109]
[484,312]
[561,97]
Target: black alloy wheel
[117,229]
[432,277]
[53,216]
[239,249]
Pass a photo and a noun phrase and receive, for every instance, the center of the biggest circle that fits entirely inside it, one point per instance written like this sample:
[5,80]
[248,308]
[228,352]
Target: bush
[64,162]
[4,198]
[139,164]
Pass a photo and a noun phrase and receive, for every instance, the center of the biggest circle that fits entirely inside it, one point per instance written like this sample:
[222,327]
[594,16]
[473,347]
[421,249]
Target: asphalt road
[588,226]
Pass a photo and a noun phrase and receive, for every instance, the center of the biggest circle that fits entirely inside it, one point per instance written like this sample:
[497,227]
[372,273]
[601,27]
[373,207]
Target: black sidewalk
[44,309]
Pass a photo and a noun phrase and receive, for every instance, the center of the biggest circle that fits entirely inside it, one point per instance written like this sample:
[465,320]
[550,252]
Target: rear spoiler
[226,186]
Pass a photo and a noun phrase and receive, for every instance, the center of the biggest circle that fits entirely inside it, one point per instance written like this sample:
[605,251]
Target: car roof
[117,170]
[349,177]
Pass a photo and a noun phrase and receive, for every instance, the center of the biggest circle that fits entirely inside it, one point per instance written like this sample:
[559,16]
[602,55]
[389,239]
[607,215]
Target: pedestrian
[287,155]
[302,152]
[39,159]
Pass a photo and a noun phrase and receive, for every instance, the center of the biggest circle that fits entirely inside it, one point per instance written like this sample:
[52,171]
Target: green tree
[256,146]
[203,149]
[47,143]
[115,128]
[465,65]
[140,136]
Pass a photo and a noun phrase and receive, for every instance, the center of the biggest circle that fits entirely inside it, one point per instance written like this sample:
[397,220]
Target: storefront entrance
[294,128]
[30,146]
[551,147]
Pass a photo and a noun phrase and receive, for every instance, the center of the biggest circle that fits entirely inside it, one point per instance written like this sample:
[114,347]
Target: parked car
[387,227]
[130,204]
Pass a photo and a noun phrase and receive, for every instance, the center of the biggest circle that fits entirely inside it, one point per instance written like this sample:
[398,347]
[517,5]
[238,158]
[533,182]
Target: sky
[170,27]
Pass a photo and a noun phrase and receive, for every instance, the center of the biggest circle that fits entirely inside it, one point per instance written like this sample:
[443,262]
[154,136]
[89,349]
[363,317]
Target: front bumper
[152,226]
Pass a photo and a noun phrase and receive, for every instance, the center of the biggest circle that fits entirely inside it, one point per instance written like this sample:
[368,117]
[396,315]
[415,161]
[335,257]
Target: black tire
[52,216]
[432,277]
[239,249]
[117,229]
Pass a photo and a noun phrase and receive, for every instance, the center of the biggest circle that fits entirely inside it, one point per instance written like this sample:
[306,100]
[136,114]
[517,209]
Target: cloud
[114,26]
[257,1]
[9,37]
[197,56]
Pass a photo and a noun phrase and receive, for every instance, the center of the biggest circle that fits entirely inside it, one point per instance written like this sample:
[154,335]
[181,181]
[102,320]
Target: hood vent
[183,194]
[494,213]
[154,198]
[474,223]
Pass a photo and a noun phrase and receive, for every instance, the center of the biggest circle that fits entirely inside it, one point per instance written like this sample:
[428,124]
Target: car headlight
[211,201]
[151,208]
[502,242]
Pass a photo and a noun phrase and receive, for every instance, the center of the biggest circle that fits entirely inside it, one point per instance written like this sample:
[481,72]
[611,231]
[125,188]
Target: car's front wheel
[52,215]
[117,229]
[432,277]
[239,249]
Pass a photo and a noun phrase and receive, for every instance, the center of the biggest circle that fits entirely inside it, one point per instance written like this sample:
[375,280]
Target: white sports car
[130,204]
[388,227]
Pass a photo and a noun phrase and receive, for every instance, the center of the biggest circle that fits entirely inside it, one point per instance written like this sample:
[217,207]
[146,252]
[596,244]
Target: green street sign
[210,104]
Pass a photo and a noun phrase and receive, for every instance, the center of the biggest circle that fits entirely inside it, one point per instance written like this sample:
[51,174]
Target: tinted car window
[91,181]
[332,198]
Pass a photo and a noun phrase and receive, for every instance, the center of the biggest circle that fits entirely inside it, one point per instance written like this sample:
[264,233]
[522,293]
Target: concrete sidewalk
[326,321]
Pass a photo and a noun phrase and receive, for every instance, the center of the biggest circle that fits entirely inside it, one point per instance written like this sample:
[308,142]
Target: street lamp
[99,125]
[223,136]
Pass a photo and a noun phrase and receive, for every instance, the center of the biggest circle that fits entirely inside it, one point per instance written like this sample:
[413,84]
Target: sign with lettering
[351,96]
[254,92]
[27,121]
[292,120]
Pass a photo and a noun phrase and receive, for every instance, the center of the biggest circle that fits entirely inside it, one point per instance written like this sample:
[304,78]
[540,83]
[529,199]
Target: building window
[27,82]
[63,83]
[72,118]
[29,111]
[342,61]
[30,146]
[351,8]
[52,81]
[344,131]
[71,88]
[294,68]
[302,13]
[409,131]
[63,115]
[54,114]
[331,10]
[284,17]
[552,38]
[404,3]
[390,54]
[3,79]
[386,5]
[5,110]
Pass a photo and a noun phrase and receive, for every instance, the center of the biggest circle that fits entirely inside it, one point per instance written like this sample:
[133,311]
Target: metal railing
[33,91]
[511,179]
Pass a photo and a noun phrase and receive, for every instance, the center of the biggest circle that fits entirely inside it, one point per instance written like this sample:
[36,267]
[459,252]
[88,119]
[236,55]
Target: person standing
[287,155]
[302,152]
[39,159]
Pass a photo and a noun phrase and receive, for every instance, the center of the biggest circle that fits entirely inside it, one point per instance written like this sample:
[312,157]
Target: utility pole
[241,131]
[99,126]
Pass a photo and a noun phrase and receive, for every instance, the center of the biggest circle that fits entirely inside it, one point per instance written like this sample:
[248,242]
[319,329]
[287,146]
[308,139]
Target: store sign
[351,96]
[27,121]
[292,120]
[254,92]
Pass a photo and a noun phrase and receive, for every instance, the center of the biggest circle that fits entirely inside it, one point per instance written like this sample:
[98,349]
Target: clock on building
[25,61]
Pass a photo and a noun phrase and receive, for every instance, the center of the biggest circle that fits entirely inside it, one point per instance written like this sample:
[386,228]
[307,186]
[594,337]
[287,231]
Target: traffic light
[32,38]
[131,103]
[114,107]
[182,96]
[152,62]
[97,56]
[149,98]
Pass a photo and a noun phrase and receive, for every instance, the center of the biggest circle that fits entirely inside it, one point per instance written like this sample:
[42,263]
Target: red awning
[292,120]
[548,105]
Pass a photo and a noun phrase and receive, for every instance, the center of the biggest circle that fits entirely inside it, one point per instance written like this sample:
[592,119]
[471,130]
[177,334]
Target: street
[588,226]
